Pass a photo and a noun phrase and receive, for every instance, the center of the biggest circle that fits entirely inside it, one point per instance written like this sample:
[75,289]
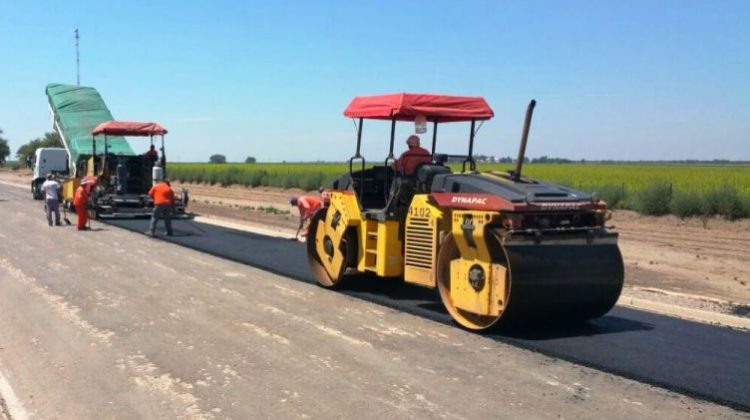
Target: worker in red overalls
[81,203]
[307,206]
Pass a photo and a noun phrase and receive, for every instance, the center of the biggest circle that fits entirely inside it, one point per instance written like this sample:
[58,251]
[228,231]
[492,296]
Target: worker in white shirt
[51,190]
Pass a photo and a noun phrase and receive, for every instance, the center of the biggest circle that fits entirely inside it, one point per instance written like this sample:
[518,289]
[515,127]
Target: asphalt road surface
[696,359]
[111,324]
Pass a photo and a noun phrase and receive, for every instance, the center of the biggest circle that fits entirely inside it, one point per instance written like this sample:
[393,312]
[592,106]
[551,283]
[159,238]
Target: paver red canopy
[407,106]
[129,128]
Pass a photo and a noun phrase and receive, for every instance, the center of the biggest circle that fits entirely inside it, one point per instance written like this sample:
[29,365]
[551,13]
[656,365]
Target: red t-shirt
[308,205]
[409,160]
[162,194]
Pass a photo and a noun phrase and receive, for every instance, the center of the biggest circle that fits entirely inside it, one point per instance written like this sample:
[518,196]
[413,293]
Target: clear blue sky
[613,79]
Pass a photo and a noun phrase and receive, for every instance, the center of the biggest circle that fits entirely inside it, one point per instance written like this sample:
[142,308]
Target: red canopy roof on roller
[129,128]
[407,106]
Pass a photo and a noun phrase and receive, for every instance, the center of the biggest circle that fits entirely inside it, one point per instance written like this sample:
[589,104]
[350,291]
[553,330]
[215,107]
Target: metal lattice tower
[78,62]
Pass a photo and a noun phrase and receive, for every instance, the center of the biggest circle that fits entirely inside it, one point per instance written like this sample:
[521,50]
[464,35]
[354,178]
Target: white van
[48,160]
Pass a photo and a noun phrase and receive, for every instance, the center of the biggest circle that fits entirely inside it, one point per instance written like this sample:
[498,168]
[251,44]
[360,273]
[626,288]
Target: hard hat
[412,141]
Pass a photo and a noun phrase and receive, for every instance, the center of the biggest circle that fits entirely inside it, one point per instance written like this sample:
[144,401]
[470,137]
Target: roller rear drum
[555,280]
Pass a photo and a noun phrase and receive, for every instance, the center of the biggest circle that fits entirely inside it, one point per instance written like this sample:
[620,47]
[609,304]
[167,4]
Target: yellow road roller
[500,247]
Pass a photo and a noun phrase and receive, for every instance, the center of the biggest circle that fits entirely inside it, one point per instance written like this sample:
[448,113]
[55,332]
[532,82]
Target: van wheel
[36,192]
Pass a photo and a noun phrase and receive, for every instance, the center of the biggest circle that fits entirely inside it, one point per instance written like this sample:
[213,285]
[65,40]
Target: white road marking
[12,404]
[13,184]
[244,227]
[691,314]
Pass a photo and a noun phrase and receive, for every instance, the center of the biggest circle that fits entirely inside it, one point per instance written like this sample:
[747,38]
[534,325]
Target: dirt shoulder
[685,257]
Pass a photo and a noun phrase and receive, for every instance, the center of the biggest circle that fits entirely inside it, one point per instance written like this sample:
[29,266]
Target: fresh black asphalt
[704,361]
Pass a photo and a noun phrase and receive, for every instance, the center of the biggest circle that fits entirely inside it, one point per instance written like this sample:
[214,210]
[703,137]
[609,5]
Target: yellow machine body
[380,250]
[69,188]
[424,227]
[70,185]
[485,296]
[483,271]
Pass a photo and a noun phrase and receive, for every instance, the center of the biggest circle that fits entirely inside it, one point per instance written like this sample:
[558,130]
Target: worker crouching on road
[81,203]
[307,206]
[163,197]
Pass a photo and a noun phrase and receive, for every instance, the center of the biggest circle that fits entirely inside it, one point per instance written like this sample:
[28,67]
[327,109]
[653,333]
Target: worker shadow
[182,233]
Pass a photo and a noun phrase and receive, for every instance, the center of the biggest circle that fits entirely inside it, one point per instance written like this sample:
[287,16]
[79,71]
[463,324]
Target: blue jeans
[163,211]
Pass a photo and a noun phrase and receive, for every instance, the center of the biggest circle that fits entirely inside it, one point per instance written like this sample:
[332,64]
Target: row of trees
[508,159]
[51,139]
[4,148]
[223,159]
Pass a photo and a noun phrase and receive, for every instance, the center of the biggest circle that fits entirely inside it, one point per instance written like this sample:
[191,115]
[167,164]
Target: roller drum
[557,281]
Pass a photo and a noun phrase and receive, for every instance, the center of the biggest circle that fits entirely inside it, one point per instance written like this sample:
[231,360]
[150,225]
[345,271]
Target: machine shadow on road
[427,302]
[393,288]
[541,330]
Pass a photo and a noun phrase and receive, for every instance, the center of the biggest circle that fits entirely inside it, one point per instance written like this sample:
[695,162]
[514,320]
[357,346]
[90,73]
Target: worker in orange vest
[81,203]
[163,206]
[307,206]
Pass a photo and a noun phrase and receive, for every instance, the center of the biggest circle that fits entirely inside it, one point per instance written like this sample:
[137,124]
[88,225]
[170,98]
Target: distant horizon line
[556,161]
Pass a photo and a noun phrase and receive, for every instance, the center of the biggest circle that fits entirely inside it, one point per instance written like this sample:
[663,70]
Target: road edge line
[10,405]
[13,184]
[243,227]
[697,315]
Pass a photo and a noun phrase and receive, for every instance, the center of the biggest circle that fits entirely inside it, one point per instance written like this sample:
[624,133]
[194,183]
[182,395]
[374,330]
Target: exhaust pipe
[524,137]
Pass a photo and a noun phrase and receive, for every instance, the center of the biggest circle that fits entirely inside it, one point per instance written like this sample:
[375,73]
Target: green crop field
[685,190]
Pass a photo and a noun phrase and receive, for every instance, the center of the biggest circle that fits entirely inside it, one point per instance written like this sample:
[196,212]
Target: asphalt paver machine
[121,182]
[97,150]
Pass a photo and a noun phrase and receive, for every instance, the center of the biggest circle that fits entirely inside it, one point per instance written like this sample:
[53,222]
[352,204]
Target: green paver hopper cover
[77,110]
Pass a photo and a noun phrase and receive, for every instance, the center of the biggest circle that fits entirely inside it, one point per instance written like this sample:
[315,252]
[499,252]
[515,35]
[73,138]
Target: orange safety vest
[162,194]
[308,205]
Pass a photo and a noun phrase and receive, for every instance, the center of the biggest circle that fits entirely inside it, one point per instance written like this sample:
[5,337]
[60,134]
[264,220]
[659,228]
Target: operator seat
[426,173]
[408,163]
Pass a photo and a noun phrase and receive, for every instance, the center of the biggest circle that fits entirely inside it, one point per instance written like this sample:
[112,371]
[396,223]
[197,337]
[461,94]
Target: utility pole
[78,62]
